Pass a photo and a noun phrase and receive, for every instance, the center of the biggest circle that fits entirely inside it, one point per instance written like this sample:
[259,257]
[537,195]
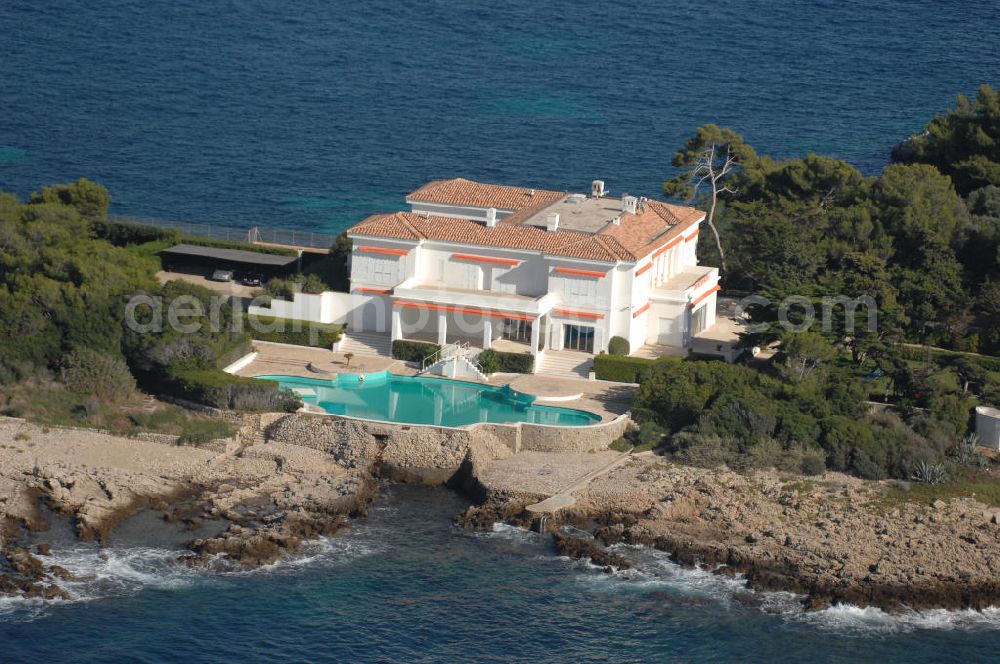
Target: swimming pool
[421,400]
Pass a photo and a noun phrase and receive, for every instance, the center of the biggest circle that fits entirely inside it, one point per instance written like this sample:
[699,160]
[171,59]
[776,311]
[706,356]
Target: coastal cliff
[287,479]
[833,539]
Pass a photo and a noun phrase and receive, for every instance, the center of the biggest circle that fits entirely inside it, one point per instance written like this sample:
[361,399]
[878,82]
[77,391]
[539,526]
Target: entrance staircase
[456,360]
[366,343]
[566,364]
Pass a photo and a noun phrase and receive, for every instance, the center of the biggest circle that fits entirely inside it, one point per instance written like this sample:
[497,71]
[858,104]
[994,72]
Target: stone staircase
[456,360]
[366,343]
[566,363]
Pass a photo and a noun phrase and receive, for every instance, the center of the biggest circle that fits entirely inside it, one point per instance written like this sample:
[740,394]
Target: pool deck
[609,400]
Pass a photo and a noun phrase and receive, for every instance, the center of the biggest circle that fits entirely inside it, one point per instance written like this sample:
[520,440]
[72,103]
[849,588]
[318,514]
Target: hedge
[122,234]
[493,361]
[233,244]
[289,331]
[621,369]
[216,388]
[413,351]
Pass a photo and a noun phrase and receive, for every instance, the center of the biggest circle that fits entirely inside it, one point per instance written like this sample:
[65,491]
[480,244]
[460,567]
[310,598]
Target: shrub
[813,462]
[413,351]
[290,331]
[122,234]
[703,451]
[286,288]
[199,431]
[332,269]
[493,361]
[621,369]
[618,346]
[930,473]
[103,376]
[222,390]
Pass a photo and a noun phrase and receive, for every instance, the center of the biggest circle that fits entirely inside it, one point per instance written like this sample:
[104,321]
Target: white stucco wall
[357,311]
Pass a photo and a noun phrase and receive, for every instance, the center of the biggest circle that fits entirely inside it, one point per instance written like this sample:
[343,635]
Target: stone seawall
[537,438]
[429,453]
[424,453]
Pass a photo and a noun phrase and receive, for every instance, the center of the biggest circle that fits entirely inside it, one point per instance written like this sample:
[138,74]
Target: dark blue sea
[312,115]
[407,586]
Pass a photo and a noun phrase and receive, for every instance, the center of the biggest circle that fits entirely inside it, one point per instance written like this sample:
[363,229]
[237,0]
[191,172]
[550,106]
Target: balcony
[438,293]
[682,284]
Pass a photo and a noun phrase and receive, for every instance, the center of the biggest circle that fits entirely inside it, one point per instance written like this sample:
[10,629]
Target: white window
[379,270]
[579,290]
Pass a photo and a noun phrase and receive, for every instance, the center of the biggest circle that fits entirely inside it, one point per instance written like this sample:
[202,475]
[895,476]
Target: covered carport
[203,261]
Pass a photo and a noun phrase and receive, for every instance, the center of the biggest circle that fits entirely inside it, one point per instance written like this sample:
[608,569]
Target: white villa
[518,268]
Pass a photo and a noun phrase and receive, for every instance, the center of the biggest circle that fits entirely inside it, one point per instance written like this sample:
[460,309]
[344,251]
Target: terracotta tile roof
[643,232]
[459,191]
[610,246]
[635,236]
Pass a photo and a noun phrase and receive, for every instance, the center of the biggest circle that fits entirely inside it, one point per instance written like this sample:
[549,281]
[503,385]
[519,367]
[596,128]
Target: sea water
[406,585]
[314,114]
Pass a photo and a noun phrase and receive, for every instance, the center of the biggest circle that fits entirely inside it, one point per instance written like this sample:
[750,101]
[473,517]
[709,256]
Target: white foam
[654,569]
[102,573]
[505,531]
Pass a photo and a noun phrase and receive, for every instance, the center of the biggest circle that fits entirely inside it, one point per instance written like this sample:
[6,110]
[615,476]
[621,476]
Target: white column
[487,333]
[442,328]
[397,325]
[535,332]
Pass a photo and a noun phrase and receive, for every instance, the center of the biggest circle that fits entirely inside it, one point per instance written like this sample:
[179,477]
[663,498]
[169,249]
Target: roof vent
[552,222]
[617,221]
[629,203]
[491,217]
[597,189]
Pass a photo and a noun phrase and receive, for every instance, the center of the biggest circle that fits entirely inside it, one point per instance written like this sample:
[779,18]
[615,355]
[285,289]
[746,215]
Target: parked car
[222,275]
[255,280]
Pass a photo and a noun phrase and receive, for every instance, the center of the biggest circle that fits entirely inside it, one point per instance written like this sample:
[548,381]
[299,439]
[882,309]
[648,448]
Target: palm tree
[348,357]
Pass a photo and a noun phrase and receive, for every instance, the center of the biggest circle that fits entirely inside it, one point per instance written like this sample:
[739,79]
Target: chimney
[491,217]
[552,222]
[597,189]
[629,203]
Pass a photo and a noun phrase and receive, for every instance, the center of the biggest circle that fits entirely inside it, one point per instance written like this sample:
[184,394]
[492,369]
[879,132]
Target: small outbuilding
[195,259]
[988,426]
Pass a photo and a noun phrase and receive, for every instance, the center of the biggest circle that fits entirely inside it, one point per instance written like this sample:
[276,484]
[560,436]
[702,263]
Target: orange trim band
[668,246]
[644,269]
[641,310]
[691,237]
[581,273]
[578,314]
[704,295]
[486,259]
[382,250]
[375,291]
[462,310]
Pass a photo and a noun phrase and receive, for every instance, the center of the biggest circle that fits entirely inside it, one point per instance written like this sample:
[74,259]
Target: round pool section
[420,400]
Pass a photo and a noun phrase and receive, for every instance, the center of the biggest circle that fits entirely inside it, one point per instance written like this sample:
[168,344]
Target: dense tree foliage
[963,143]
[64,295]
[918,246]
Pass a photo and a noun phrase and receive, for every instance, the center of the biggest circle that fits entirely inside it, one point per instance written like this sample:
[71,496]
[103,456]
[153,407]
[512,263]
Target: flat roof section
[230,255]
[579,213]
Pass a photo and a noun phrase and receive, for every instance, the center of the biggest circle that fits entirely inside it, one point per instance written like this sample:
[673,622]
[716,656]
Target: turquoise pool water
[418,400]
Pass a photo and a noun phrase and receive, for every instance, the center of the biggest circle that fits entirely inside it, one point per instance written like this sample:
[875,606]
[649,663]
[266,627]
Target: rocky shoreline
[249,501]
[832,539]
